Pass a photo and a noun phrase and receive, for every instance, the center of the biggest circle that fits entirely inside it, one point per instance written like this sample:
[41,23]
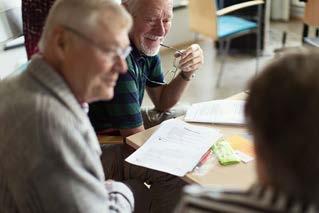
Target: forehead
[155,7]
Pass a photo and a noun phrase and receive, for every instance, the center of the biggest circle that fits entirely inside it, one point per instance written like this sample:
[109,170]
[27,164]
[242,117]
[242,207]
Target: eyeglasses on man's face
[112,53]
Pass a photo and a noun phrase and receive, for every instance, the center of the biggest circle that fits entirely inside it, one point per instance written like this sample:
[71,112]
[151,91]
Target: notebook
[218,111]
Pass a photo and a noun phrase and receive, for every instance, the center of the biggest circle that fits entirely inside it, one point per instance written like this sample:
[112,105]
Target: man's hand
[191,59]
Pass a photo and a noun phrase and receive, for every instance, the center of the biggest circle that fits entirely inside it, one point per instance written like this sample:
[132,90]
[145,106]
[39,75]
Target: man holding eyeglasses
[49,153]
[123,114]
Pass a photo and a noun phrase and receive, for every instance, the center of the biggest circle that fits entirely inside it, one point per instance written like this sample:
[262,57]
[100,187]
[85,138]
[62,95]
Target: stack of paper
[219,111]
[176,147]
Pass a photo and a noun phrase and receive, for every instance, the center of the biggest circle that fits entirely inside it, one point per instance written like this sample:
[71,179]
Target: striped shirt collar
[269,196]
[256,199]
[138,55]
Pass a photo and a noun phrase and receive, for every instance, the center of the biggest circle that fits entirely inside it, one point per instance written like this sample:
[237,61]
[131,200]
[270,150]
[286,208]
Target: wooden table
[239,176]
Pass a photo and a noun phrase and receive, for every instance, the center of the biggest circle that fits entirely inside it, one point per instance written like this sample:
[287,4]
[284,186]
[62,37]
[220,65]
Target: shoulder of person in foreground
[58,168]
[78,175]
[256,199]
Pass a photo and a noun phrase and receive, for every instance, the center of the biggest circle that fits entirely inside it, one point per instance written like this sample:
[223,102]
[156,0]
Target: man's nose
[159,28]
[121,65]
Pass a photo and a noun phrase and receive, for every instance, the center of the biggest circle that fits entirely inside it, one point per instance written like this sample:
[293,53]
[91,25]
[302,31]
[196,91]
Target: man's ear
[124,4]
[60,39]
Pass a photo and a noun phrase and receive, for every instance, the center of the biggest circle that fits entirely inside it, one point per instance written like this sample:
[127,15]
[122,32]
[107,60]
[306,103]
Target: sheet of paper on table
[176,147]
[218,111]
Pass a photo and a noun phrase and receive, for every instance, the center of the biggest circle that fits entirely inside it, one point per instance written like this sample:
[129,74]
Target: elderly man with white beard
[124,116]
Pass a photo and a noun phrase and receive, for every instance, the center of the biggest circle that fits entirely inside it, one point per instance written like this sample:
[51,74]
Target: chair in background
[222,27]
[311,19]
[10,24]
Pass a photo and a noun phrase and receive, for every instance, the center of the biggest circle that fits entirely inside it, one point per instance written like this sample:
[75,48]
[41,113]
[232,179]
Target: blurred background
[283,24]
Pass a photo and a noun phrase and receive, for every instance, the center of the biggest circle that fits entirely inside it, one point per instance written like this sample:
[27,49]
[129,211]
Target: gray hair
[132,6]
[81,14]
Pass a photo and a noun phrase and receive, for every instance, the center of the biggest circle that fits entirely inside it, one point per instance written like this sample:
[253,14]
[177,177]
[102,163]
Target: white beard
[148,51]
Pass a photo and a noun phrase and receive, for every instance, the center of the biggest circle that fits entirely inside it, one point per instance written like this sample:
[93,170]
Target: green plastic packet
[224,152]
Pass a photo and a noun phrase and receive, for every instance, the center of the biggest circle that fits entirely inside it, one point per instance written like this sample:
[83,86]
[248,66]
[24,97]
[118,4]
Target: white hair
[132,6]
[82,14]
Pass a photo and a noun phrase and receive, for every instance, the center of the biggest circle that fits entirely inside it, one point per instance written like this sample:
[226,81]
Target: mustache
[154,37]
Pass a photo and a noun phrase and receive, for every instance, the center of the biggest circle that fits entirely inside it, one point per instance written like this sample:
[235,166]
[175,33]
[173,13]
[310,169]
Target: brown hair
[282,112]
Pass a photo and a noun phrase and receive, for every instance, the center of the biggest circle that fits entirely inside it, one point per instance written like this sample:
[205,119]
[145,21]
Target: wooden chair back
[203,18]
[311,17]
[106,139]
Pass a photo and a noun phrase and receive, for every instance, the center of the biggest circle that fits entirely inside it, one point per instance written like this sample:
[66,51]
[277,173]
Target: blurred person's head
[282,115]
[152,21]
[85,41]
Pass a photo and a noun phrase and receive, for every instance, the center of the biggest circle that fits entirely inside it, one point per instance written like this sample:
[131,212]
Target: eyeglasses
[112,53]
[170,74]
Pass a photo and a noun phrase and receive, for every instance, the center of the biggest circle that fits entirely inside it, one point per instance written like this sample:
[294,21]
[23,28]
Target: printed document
[219,111]
[175,148]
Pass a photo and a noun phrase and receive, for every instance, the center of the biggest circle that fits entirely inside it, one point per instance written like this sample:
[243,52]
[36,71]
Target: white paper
[244,157]
[176,147]
[219,111]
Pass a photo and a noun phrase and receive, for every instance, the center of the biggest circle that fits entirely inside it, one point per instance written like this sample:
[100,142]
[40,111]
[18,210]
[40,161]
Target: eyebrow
[152,15]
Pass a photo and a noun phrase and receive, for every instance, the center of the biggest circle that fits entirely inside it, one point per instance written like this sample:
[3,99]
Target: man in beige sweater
[49,153]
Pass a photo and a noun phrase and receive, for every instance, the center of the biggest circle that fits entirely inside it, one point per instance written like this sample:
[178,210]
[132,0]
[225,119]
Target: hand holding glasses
[170,74]
[188,61]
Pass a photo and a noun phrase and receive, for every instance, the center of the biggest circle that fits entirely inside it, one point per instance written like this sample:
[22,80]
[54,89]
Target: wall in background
[297,8]
[10,19]
[179,33]
[6,4]
[280,10]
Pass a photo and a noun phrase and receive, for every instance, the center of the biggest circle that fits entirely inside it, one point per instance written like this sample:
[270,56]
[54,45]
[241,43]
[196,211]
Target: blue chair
[205,19]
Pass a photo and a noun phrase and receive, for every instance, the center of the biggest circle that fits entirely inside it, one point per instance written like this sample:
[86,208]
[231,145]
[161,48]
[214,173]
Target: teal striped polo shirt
[124,110]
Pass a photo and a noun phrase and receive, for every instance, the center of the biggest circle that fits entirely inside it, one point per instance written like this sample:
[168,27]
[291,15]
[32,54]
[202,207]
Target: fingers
[191,66]
[179,53]
[191,59]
